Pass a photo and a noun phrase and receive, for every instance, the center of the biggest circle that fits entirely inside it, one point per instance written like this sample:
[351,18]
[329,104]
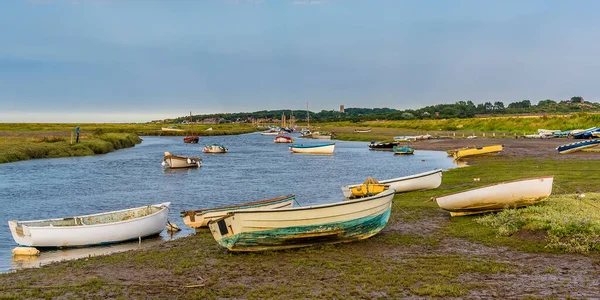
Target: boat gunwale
[400,179]
[386,193]
[493,184]
[266,201]
[162,206]
[180,157]
[591,141]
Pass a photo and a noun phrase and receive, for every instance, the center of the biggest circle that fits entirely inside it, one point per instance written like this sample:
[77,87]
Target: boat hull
[87,235]
[191,140]
[316,149]
[418,182]
[215,149]
[573,147]
[181,162]
[497,197]
[460,153]
[403,150]
[340,222]
[283,139]
[199,219]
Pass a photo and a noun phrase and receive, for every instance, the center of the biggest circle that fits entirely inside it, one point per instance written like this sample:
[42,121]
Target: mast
[307,116]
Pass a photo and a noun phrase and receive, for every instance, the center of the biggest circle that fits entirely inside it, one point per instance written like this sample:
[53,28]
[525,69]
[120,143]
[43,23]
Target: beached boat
[548,131]
[382,146]
[452,151]
[403,150]
[176,161]
[477,151]
[200,218]
[215,148]
[191,139]
[495,197]
[102,228]
[405,138]
[313,148]
[584,134]
[362,130]
[417,182]
[573,147]
[171,128]
[317,135]
[283,139]
[345,221]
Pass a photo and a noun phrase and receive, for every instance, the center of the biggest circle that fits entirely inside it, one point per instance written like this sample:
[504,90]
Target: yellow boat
[460,153]
[369,188]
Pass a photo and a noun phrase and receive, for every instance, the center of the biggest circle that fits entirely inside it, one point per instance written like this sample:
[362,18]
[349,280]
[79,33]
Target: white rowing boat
[417,182]
[102,228]
[345,221]
[176,161]
[498,196]
[313,149]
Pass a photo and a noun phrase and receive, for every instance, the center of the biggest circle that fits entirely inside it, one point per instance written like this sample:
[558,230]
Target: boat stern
[222,231]
[20,233]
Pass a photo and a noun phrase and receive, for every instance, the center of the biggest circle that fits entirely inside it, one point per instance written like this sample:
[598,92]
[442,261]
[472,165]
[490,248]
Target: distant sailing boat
[191,139]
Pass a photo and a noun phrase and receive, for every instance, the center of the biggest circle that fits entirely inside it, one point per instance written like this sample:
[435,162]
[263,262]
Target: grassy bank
[16,148]
[422,252]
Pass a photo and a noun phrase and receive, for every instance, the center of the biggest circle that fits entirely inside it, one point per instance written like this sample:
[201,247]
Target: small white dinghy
[102,228]
[176,161]
[496,197]
[417,182]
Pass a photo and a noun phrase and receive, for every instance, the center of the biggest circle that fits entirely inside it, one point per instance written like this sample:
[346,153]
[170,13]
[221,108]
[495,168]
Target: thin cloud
[308,2]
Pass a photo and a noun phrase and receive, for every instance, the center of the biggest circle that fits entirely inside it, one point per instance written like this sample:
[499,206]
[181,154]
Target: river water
[254,169]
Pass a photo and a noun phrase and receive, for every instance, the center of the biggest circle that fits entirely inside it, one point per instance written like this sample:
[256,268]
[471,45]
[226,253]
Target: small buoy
[172,227]
[422,160]
[30,251]
[164,163]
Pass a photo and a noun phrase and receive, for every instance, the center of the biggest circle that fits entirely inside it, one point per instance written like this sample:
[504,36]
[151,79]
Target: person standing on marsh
[77,133]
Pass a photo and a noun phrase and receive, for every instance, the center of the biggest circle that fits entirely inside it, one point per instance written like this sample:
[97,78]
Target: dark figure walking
[77,133]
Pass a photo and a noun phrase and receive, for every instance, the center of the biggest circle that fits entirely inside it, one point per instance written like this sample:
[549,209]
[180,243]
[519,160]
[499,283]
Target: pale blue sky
[130,60]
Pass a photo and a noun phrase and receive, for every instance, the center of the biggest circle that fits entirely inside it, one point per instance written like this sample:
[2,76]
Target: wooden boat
[176,161]
[215,148]
[403,150]
[283,139]
[191,139]
[345,221]
[382,146]
[498,196]
[102,228]
[573,147]
[200,218]
[362,130]
[313,148]
[417,182]
[477,151]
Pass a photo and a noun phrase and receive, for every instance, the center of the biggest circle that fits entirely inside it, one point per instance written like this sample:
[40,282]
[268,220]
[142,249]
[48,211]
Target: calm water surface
[254,169]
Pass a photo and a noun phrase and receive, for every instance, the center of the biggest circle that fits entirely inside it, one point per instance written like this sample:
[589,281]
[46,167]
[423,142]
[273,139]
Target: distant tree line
[460,109]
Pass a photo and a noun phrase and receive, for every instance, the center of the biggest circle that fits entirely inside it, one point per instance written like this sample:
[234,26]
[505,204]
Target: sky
[136,61]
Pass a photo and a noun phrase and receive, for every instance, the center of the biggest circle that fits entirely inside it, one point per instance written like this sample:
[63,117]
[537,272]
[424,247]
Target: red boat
[191,139]
[283,139]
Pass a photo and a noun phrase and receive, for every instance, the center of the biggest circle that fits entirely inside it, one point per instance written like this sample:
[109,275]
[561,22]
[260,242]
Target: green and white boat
[345,221]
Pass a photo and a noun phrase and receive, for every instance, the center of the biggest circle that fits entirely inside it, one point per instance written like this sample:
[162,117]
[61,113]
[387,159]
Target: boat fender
[29,251]
[189,161]
[164,163]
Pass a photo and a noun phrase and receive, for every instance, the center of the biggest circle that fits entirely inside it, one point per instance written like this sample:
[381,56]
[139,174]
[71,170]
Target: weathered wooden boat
[382,146]
[313,148]
[215,148]
[495,197]
[102,228]
[477,151]
[283,139]
[417,182]
[191,139]
[403,150]
[200,218]
[176,161]
[577,146]
[345,221]
[362,130]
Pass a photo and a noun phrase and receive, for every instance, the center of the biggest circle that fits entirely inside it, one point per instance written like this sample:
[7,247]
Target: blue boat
[568,148]
[403,150]
[586,134]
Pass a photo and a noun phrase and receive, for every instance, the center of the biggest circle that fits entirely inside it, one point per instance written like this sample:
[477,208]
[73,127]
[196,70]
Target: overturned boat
[577,146]
[102,228]
[345,221]
[417,182]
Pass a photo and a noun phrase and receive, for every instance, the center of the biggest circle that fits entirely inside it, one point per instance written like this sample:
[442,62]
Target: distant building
[342,108]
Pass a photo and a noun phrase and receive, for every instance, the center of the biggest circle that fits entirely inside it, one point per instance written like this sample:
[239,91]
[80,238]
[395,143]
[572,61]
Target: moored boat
[460,153]
[283,139]
[87,230]
[362,130]
[215,148]
[417,182]
[403,150]
[176,161]
[200,218]
[345,221]
[405,138]
[191,139]
[382,146]
[577,146]
[313,148]
[495,197]
[270,132]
